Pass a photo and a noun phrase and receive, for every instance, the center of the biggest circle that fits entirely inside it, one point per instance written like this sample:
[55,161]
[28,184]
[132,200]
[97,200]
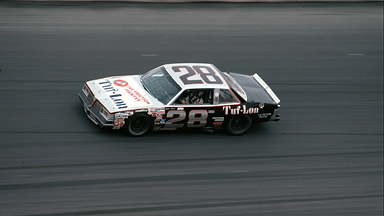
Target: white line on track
[149,55]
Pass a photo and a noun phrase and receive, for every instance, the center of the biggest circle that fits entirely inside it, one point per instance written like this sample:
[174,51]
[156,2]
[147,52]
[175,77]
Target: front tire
[238,125]
[139,124]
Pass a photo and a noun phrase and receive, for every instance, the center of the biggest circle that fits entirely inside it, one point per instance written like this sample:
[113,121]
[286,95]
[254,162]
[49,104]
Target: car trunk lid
[257,90]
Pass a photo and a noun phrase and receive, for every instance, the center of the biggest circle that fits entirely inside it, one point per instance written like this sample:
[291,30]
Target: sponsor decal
[156,111]
[131,91]
[208,128]
[118,101]
[124,92]
[264,115]
[218,122]
[158,114]
[167,128]
[218,119]
[142,110]
[116,98]
[123,115]
[136,95]
[157,121]
[228,110]
[118,123]
[121,83]
[107,87]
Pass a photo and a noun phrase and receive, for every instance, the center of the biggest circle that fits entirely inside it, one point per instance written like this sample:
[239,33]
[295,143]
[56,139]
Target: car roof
[196,76]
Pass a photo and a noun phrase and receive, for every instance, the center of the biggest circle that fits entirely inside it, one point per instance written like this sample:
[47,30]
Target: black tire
[139,124]
[238,125]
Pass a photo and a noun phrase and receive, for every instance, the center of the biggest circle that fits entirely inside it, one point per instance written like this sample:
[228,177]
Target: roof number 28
[207,75]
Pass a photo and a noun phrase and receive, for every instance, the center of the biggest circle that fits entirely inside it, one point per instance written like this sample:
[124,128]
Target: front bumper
[93,112]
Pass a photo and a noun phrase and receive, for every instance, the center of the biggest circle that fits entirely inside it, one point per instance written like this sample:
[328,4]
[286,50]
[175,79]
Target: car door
[187,112]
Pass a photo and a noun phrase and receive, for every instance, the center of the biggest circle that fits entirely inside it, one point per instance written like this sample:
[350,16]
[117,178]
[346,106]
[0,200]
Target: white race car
[180,96]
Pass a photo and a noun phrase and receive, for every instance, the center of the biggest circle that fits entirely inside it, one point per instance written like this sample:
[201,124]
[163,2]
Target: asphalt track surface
[324,61]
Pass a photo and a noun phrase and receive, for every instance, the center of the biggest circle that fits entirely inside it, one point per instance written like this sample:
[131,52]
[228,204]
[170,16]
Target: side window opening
[196,96]
[224,96]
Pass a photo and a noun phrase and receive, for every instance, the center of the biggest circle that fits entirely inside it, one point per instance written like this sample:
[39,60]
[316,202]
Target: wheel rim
[139,124]
[239,123]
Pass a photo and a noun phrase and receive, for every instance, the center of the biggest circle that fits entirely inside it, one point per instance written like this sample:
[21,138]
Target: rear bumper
[275,116]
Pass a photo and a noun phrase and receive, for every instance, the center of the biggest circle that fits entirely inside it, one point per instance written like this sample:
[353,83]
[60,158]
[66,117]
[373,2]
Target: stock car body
[165,99]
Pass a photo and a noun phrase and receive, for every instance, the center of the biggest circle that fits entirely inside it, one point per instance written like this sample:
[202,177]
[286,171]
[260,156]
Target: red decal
[120,83]
[119,122]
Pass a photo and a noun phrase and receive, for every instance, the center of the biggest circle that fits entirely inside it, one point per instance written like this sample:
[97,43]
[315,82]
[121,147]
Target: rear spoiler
[266,87]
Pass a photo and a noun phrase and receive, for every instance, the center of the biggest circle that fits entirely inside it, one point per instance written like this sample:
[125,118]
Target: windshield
[235,86]
[160,85]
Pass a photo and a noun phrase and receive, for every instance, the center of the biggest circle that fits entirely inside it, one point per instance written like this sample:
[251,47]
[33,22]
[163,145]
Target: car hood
[121,93]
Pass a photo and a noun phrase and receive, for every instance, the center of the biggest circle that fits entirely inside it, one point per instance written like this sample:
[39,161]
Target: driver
[194,97]
[197,97]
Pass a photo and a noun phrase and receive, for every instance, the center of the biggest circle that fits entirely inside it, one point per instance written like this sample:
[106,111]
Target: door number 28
[196,118]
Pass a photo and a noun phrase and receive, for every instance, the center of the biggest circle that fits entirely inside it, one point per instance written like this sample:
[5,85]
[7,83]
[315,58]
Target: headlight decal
[108,116]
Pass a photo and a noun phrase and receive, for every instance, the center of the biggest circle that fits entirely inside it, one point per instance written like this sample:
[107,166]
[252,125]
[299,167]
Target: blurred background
[323,60]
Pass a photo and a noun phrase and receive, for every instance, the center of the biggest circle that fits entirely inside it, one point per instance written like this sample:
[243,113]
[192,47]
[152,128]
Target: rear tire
[139,124]
[238,125]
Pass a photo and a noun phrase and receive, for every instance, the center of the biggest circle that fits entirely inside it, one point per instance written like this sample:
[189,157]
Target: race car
[180,96]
